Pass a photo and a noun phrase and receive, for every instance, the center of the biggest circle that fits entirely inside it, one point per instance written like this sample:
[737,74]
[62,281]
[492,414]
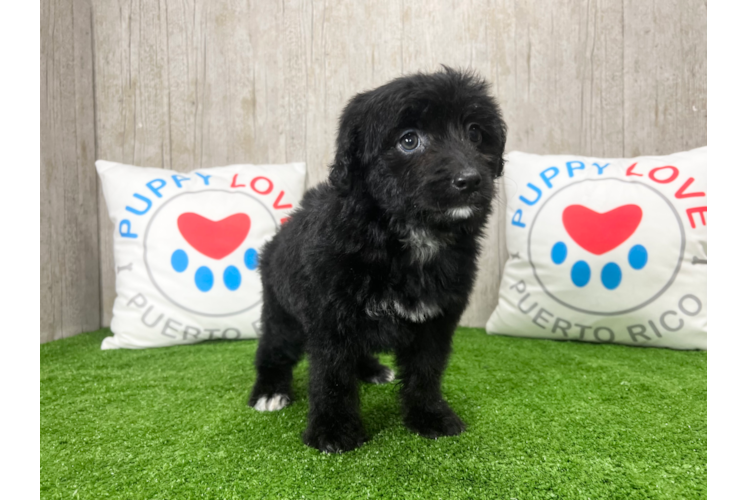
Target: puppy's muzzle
[467,181]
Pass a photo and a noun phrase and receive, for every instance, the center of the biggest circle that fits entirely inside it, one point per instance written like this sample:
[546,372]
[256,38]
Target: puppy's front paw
[270,402]
[329,440]
[270,394]
[434,422]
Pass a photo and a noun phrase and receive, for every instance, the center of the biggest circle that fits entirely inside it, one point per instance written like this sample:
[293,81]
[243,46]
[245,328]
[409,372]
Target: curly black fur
[383,256]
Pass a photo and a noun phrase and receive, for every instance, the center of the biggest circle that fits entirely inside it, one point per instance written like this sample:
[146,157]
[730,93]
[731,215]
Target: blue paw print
[611,274]
[204,278]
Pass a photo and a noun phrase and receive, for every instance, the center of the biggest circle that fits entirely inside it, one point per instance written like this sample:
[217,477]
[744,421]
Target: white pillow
[713,281]
[605,250]
[186,248]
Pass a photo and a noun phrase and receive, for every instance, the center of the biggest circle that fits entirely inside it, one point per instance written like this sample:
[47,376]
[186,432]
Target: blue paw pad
[204,279]
[611,275]
[559,252]
[179,260]
[638,257]
[580,273]
[250,259]
[232,278]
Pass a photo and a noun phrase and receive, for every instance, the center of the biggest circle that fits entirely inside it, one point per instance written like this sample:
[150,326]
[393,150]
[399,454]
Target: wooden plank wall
[69,235]
[713,111]
[196,83]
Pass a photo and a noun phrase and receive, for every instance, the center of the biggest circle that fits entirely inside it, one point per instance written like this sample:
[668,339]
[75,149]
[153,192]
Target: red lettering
[234,184]
[674,173]
[253,185]
[698,210]
[630,170]
[284,219]
[681,193]
[277,205]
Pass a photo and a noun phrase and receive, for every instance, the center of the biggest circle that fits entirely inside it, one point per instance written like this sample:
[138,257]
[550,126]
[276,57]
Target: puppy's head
[426,146]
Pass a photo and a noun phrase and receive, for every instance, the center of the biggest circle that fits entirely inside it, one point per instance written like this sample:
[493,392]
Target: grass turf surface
[545,419]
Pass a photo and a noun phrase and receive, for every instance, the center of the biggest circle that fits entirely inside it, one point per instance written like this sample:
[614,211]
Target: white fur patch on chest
[417,314]
[423,244]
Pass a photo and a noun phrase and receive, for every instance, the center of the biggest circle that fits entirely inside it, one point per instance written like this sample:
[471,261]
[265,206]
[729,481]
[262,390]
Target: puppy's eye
[409,141]
[474,133]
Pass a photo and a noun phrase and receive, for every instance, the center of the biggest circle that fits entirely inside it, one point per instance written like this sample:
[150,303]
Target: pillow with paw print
[605,250]
[186,248]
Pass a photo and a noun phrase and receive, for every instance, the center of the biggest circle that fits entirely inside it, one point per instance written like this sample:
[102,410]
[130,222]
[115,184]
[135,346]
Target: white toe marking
[383,378]
[272,403]
[261,404]
[278,402]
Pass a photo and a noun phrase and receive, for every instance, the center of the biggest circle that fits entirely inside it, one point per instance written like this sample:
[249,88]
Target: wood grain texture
[713,111]
[664,76]
[68,233]
[196,83]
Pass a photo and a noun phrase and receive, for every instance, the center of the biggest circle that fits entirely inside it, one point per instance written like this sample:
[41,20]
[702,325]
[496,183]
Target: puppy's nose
[467,181]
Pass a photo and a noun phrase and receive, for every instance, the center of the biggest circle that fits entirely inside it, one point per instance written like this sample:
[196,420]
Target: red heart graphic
[214,239]
[599,233]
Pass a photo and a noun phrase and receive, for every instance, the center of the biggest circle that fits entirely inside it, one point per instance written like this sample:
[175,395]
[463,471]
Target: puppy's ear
[499,167]
[347,163]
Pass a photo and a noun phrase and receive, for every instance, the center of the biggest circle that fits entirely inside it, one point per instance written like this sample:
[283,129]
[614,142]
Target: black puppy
[383,256]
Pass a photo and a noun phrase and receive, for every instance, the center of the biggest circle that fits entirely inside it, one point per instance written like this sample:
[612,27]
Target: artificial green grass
[545,419]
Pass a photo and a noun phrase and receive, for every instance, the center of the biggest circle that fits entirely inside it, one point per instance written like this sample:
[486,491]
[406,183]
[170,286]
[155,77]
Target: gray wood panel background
[69,239]
[713,111]
[197,83]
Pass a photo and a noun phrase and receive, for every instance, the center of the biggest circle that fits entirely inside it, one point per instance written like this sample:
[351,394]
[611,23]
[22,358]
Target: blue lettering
[178,179]
[203,177]
[147,205]
[547,178]
[601,168]
[517,218]
[154,188]
[125,232]
[534,188]
[571,168]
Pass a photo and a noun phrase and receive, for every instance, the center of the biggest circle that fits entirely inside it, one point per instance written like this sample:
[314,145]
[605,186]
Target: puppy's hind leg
[280,348]
[370,370]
